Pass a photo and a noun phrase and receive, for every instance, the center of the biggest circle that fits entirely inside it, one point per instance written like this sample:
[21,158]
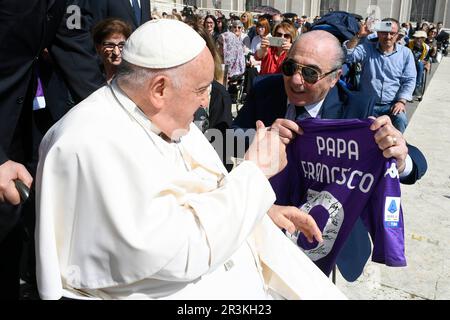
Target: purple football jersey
[337,173]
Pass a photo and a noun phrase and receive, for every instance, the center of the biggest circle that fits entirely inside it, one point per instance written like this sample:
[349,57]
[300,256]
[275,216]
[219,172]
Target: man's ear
[158,90]
[336,79]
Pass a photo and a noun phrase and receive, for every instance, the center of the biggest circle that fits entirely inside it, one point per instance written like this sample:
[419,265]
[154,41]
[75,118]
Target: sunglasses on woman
[309,74]
[283,35]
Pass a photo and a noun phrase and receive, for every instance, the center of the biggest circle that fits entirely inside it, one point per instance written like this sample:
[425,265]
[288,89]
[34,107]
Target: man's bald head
[321,44]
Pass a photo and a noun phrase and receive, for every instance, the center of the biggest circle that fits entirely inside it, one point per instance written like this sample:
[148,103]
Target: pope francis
[134,203]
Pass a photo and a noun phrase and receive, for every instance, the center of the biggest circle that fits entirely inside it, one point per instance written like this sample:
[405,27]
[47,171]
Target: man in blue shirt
[388,72]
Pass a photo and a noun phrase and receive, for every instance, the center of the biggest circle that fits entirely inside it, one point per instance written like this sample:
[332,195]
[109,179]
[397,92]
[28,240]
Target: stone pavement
[426,208]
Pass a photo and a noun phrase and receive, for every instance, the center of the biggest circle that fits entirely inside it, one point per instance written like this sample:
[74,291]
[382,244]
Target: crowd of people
[255,55]
[128,198]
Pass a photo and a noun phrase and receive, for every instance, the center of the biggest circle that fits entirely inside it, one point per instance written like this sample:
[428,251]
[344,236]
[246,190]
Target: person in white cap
[421,53]
[134,203]
[401,37]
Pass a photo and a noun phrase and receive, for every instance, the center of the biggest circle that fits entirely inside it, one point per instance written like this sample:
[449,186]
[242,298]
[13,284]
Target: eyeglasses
[236,27]
[283,35]
[110,46]
[383,33]
[309,74]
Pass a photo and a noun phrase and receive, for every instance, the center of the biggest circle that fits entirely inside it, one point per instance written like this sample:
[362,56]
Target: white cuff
[408,167]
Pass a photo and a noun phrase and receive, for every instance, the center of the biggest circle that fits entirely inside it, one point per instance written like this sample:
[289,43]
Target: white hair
[137,77]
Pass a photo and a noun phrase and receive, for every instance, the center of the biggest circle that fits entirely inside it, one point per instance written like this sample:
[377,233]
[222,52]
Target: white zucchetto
[162,43]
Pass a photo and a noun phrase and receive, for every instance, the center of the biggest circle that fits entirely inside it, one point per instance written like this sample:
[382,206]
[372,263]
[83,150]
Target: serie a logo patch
[392,212]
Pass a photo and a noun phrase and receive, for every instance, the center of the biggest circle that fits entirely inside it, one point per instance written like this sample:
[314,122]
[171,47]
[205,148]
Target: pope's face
[194,93]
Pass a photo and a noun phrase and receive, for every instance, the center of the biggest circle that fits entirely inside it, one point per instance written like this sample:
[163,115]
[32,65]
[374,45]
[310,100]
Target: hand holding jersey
[391,141]
[387,137]
[337,173]
[315,53]
[267,151]
[288,129]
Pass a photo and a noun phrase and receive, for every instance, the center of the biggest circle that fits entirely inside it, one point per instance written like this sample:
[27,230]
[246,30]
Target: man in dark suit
[29,28]
[135,12]
[91,12]
[310,87]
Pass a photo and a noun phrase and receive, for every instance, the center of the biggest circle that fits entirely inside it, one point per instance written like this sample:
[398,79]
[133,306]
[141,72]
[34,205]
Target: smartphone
[276,41]
[383,26]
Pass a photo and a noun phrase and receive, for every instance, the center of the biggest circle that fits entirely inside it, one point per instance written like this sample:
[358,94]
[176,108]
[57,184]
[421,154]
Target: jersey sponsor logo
[392,212]
[392,171]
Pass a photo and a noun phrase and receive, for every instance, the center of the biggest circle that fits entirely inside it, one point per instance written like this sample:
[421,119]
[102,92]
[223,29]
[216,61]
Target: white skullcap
[420,34]
[162,43]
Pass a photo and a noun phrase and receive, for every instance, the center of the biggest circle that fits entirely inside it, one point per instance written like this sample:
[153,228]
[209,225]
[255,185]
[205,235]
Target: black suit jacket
[220,116]
[58,78]
[102,9]
[27,27]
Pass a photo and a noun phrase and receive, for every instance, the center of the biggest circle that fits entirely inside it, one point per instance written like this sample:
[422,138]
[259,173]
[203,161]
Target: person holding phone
[273,50]
[388,70]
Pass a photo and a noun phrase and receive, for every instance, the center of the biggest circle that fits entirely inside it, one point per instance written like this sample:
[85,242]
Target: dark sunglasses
[310,75]
[283,35]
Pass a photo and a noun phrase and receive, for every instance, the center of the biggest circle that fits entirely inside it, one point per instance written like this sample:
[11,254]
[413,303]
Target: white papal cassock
[121,213]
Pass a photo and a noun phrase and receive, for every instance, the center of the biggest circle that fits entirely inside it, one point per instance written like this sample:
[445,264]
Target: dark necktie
[137,12]
[301,113]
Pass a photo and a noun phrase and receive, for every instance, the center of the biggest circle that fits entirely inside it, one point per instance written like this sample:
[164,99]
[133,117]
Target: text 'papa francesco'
[323,173]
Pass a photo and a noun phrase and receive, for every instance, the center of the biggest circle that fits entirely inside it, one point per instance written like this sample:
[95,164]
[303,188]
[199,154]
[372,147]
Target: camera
[383,26]
[276,41]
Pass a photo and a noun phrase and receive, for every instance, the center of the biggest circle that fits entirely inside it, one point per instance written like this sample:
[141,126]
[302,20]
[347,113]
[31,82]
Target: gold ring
[394,141]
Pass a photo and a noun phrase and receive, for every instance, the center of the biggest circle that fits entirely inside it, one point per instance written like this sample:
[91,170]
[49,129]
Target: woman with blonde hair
[247,21]
[249,25]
